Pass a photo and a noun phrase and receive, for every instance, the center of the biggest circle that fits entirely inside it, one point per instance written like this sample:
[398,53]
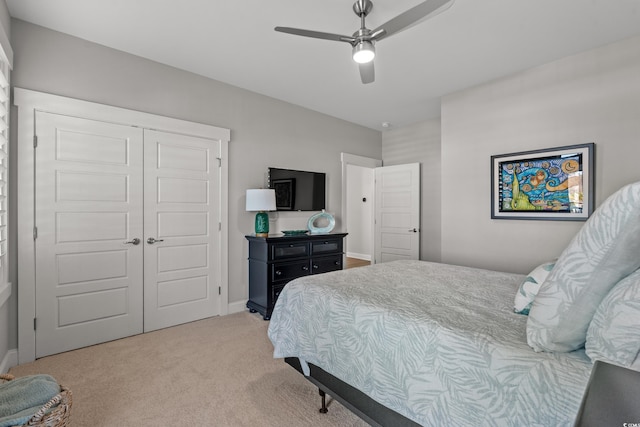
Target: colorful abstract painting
[549,184]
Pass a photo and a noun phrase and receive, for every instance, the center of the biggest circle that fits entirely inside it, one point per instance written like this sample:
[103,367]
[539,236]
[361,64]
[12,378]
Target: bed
[433,342]
[422,343]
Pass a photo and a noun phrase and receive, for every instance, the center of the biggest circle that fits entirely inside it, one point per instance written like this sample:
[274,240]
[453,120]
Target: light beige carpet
[214,372]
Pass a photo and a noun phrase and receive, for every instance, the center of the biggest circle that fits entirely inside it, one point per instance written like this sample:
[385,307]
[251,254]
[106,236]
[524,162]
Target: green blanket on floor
[22,397]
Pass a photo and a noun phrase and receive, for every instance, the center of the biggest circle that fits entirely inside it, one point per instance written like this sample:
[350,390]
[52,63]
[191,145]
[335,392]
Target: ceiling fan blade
[411,16]
[315,34]
[367,72]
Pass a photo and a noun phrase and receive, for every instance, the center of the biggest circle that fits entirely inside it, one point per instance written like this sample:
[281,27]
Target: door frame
[366,162]
[28,102]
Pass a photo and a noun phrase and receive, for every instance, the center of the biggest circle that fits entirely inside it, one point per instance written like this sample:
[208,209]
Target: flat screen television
[297,190]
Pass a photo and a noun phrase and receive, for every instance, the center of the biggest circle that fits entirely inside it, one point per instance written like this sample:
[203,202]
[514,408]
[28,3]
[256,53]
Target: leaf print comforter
[437,343]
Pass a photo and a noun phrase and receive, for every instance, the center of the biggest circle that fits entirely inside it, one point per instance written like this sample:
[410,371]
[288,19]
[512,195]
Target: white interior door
[88,206]
[397,213]
[181,222]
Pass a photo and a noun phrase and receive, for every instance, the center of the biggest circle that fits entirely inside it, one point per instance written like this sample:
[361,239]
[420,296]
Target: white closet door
[88,198]
[397,212]
[181,237]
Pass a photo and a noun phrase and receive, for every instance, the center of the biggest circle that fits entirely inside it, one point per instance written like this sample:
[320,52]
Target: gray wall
[420,143]
[589,97]
[264,131]
[5,18]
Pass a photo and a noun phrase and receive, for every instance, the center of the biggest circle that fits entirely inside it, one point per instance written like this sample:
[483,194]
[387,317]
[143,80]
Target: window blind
[5,106]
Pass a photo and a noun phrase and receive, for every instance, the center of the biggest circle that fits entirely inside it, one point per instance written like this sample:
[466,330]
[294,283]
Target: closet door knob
[151,240]
[135,241]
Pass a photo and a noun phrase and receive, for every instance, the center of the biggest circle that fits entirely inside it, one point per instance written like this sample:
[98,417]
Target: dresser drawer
[289,250]
[275,293]
[327,246]
[289,270]
[326,263]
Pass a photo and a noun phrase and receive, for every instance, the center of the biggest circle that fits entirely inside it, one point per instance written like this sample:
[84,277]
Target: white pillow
[606,249]
[614,332]
[529,287]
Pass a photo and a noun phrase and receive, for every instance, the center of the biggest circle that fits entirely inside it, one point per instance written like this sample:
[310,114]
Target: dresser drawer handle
[337,263]
[278,273]
[315,266]
[305,268]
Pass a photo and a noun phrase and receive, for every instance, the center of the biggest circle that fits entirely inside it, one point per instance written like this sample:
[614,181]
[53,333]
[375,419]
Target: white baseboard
[9,361]
[237,307]
[366,257]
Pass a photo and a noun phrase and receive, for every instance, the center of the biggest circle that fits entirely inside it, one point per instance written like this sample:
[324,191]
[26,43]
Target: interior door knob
[134,241]
[151,240]
[413,230]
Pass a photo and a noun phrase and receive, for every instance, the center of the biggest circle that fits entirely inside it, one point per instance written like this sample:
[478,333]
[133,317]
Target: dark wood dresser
[276,260]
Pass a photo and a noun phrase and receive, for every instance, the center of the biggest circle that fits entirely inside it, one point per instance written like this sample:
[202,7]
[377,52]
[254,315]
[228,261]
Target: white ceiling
[233,41]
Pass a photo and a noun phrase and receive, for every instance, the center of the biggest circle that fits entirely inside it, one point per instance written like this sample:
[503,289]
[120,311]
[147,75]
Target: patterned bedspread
[437,343]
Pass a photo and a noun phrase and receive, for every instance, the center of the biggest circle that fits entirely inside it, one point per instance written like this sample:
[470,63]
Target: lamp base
[262,224]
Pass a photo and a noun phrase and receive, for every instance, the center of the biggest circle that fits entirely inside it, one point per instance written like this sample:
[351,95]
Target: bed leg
[323,396]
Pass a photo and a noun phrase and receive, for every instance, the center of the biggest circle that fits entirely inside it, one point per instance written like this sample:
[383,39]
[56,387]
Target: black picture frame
[551,184]
[285,193]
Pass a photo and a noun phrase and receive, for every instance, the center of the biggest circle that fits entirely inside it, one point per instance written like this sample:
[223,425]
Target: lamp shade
[261,200]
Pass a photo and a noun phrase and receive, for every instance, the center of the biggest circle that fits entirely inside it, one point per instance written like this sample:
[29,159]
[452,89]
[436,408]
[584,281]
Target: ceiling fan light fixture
[364,52]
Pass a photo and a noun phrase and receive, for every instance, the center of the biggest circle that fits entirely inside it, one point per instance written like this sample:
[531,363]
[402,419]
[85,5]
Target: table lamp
[261,200]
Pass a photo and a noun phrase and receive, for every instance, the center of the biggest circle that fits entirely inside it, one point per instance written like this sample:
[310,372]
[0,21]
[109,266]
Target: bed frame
[353,399]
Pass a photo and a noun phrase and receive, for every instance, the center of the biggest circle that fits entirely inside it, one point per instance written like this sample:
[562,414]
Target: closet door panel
[88,197]
[182,212]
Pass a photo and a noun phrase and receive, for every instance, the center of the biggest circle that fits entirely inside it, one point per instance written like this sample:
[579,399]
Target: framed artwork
[550,184]
[285,190]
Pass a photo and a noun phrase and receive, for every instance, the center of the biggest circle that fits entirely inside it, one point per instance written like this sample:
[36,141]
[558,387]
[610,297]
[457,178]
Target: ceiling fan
[364,39]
